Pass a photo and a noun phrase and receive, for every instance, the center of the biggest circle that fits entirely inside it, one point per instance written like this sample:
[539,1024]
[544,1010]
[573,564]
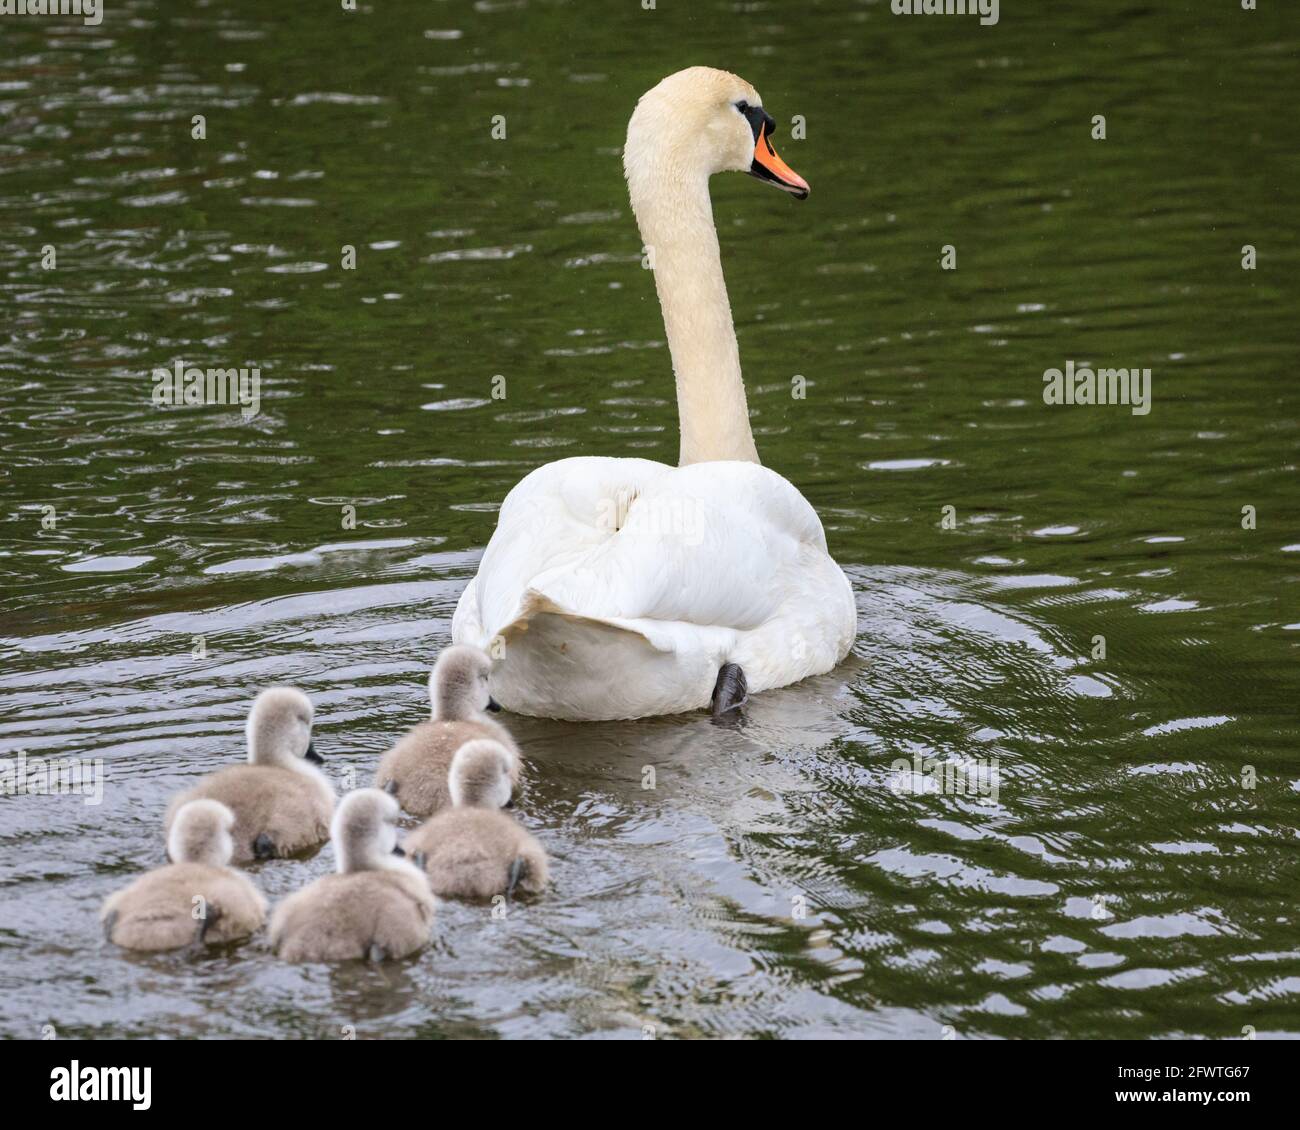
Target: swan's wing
[706,545]
[466,625]
[619,586]
[550,521]
[713,545]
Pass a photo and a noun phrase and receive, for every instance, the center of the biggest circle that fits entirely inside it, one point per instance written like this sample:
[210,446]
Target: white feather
[712,563]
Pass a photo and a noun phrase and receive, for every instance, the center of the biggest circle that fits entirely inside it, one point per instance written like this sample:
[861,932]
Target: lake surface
[1096,618]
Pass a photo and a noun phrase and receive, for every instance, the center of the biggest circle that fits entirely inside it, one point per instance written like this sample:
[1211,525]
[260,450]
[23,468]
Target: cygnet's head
[364,831]
[698,122]
[279,728]
[458,684]
[479,776]
[200,833]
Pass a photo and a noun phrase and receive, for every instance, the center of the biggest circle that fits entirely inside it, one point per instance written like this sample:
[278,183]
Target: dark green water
[1125,882]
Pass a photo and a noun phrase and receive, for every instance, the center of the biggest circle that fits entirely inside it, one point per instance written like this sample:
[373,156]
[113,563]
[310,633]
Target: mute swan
[473,850]
[415,769]
[282,804]
[378,905]
[195,899]
[623,588]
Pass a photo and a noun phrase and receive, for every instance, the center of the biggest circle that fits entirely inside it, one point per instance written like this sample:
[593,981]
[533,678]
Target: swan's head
[364,830]
[279,728]
[702,121]
[458,684]
[479,776]
[200,833]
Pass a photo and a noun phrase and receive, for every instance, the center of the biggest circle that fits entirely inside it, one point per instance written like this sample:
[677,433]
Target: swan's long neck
[355,855]
[675,216]
[361,843]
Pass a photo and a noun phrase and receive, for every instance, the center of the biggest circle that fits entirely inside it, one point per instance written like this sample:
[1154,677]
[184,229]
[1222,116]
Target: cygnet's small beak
[399,852]
[493,705]
[767,165]
[312,756]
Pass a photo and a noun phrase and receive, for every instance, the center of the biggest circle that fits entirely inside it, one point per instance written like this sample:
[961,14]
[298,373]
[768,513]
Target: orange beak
[768,166]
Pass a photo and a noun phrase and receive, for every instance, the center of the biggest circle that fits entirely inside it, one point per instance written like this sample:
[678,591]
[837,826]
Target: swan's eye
[742,106]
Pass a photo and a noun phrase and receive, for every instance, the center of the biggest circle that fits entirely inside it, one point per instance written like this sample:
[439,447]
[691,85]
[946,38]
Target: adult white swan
[623,588]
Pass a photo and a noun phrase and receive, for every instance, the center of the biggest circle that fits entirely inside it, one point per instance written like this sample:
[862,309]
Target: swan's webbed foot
[730,692]
[211,915]
[518,867]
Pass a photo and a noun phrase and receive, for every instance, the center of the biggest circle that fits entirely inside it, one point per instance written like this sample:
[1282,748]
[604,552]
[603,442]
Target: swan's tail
[554,662]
